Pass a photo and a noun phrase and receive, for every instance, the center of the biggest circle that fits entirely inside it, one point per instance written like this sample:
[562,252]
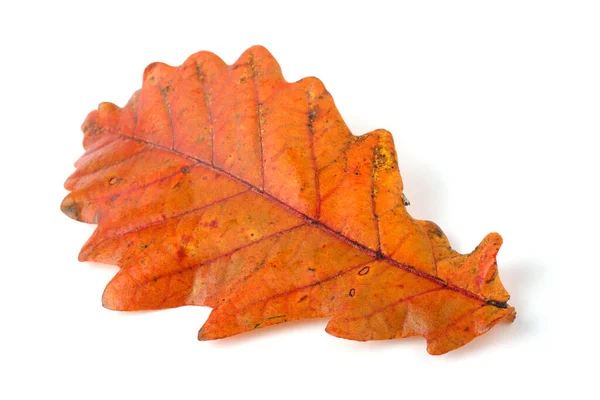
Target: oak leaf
[228,187]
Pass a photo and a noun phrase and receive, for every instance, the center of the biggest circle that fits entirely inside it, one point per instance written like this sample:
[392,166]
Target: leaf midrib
[378,255]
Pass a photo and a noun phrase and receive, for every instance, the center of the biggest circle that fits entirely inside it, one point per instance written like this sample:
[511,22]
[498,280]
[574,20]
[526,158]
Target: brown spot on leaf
[303,298]
[364,271]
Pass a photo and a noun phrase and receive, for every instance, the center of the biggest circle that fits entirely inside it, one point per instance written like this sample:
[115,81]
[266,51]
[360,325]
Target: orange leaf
[229,187]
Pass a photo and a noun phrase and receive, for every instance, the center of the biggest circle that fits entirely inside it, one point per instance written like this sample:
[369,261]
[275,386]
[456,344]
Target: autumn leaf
[227,186]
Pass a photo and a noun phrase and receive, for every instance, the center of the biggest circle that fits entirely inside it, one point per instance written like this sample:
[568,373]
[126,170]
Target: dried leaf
[229,187]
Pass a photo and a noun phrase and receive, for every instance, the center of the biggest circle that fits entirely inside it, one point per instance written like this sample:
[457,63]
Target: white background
[494,107]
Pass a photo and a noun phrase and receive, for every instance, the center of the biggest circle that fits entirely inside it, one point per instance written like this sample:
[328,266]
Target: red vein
[395,303]
[210,260]
[231,105]
[151,224]
[325,228]
[263,262]
[259,123]
[435,261]
[297,289]
[334,189]
[227,107]
[136,188]
[376,217]
[343,152]
[311,137]
[134,106]
[310,220]
[207,103]
[373,203]
[167,104]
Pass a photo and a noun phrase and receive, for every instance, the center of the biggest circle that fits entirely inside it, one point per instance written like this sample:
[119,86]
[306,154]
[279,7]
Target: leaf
[229,187]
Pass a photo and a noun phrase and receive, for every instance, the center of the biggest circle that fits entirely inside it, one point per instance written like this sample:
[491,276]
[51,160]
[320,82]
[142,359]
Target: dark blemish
[312,222]
[72,211]
[379,255]
[405,200]
[364,271]
[213,224]
[113,198]
[181,253]
[498,304]
[276,316]
[466,329]
[303,298]
[352,292]
[332,297]
[252,66]
[257,325]
[438,232]
[143,246]
[186,170]
[252,235]
[312,270]
[113,180]
[176,185]
[204,178]
[357,173]
[155,280]
[236,66]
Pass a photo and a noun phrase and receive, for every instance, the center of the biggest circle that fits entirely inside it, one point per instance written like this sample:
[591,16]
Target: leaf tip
[458,334]
[204,336]
[493,240]
[156,69]
[108,300]
[259,50]
[117,294]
